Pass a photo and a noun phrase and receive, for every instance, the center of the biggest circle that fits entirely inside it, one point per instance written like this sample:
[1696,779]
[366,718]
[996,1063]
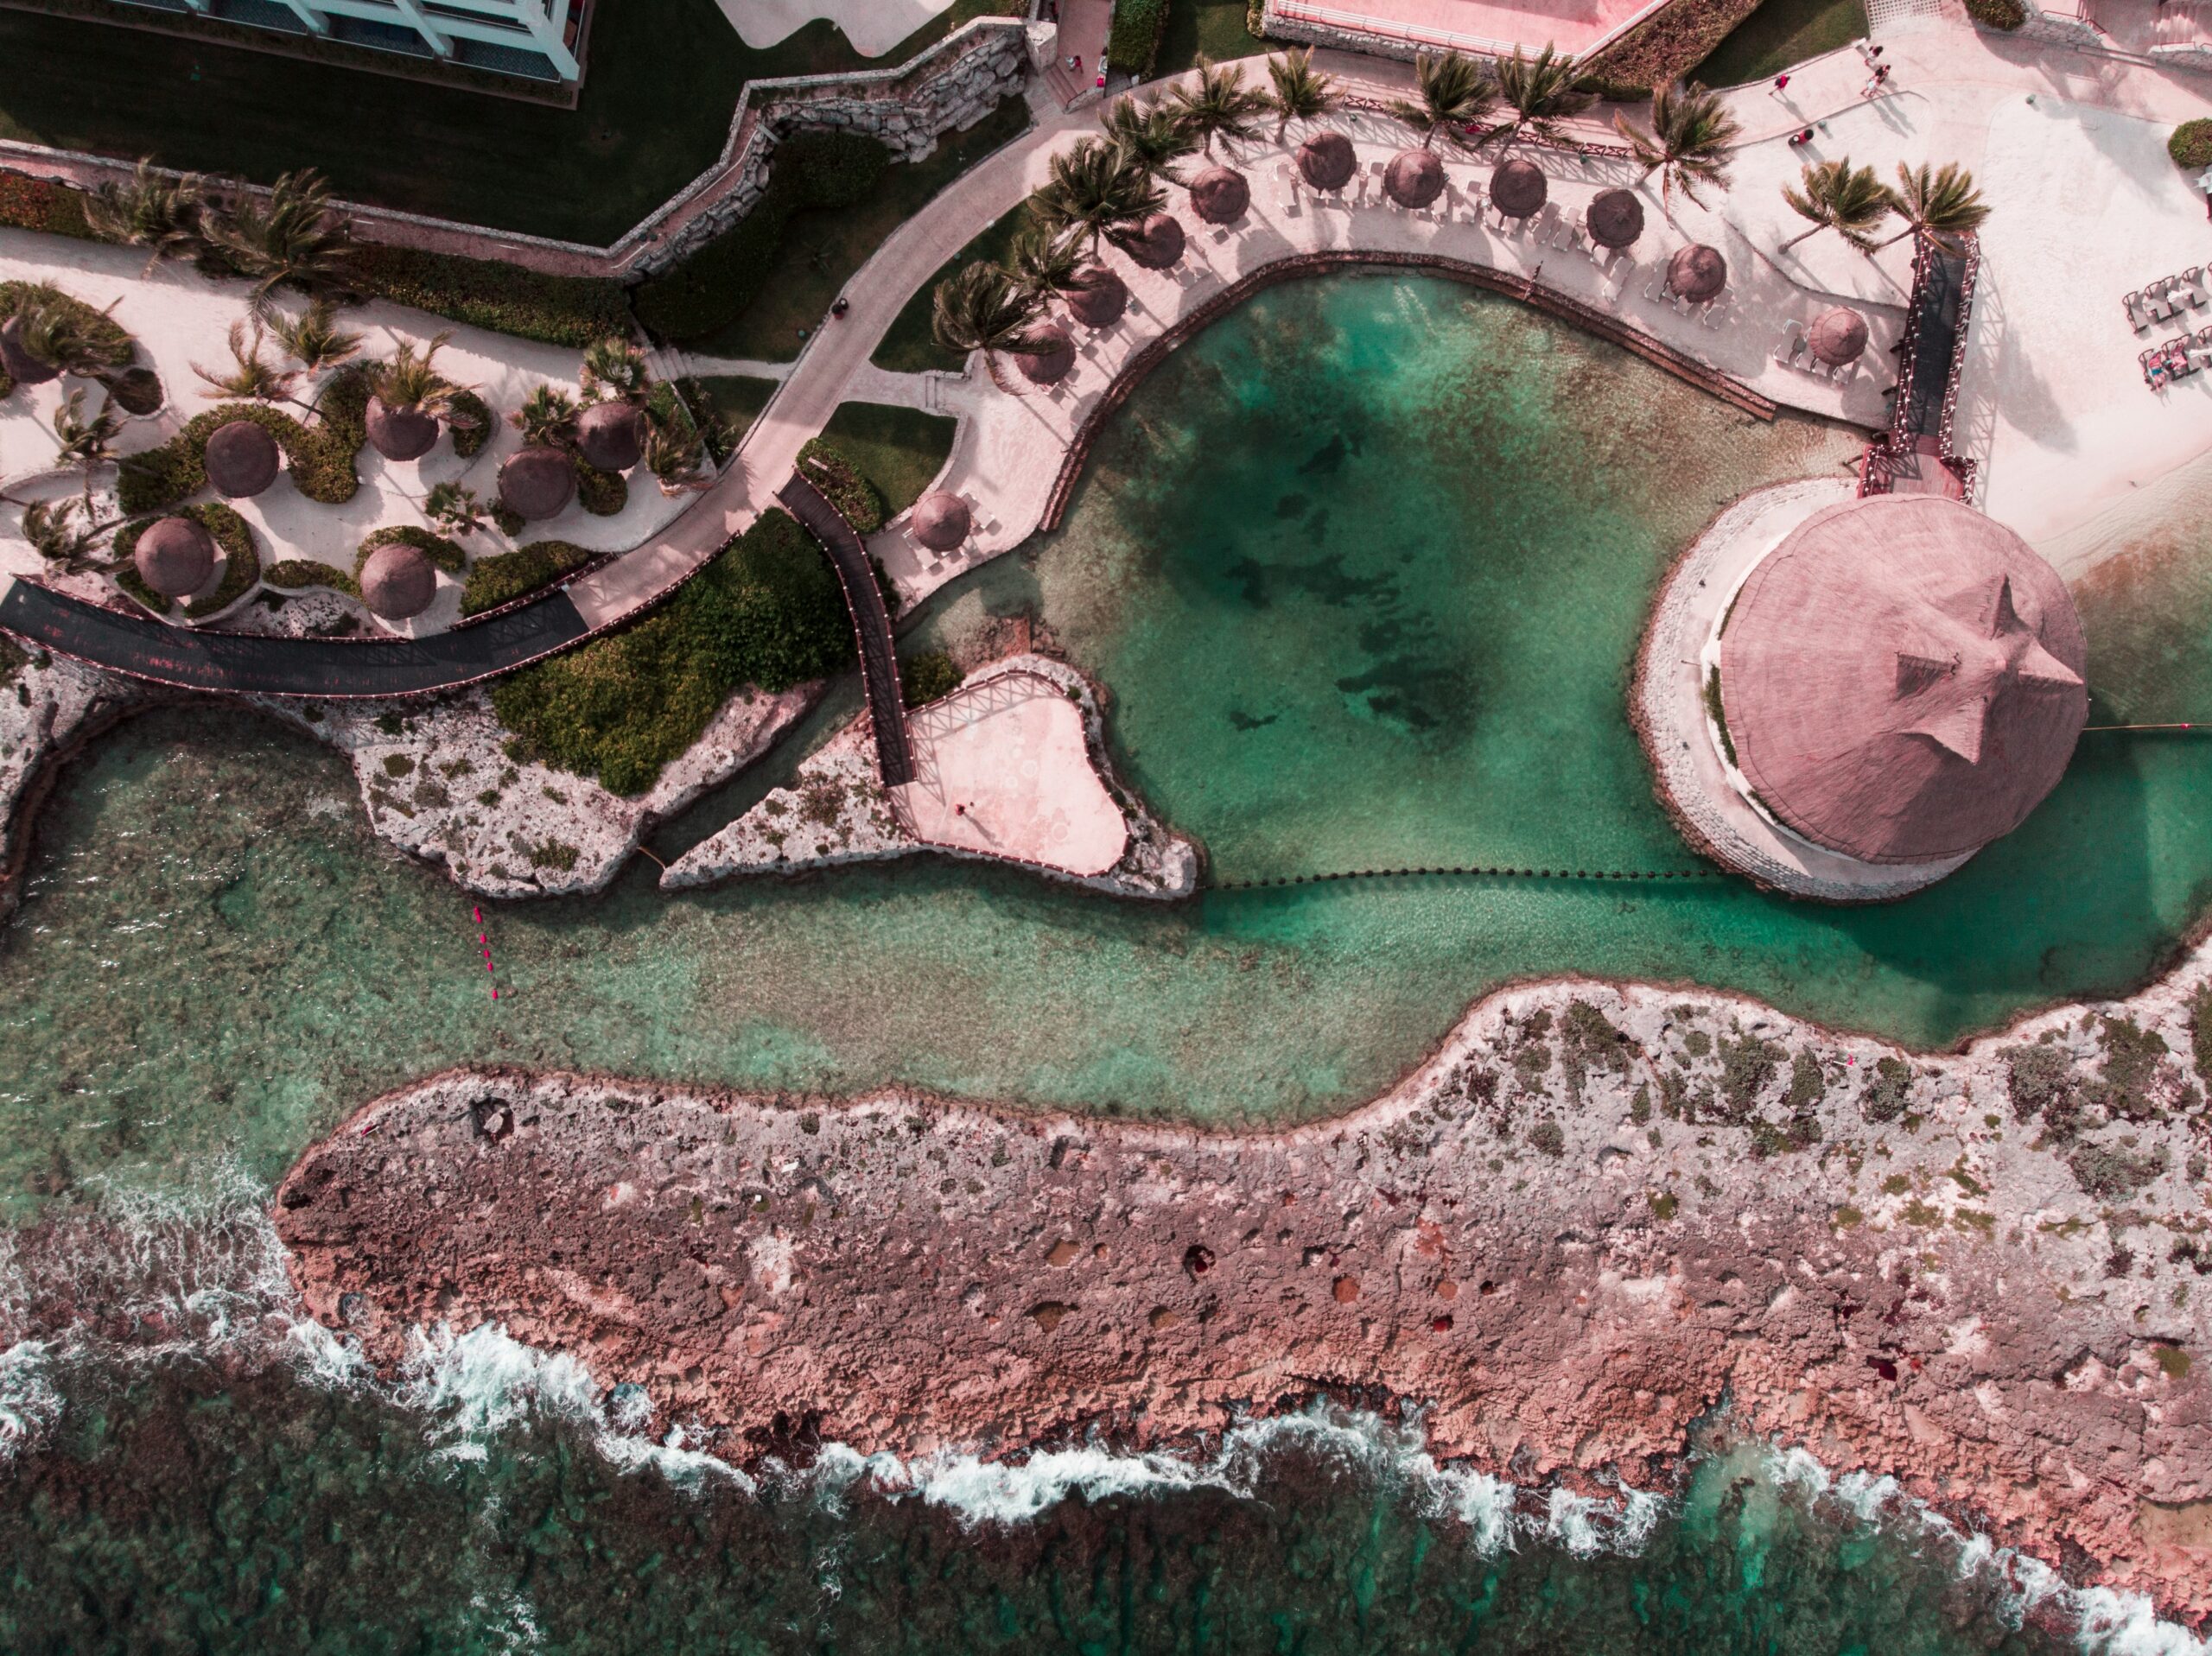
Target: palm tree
[1043,265]
[295,235]
[57,333]
[1836,195]
[1942,205]
[454,509]
[613,368]
[1149,135]
[252,375]
[315,340]
[1218,105]
[1691,131]
[411,380]
[89,443]
[151,210]
[1302,93]
[1455,93]
[981,307]
[52,529]
[1539,92]
[544,418]
[1095,189]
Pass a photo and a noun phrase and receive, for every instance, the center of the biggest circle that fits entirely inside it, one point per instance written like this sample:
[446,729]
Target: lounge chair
[1790,349]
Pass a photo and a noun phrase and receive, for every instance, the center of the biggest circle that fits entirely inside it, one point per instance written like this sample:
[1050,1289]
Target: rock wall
[49,708]
[1595,1214]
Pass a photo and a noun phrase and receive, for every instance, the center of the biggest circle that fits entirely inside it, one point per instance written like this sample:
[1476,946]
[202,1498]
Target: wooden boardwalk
[894,759]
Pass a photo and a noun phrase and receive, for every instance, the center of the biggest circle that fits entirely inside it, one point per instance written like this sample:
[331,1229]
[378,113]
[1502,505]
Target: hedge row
[600,493]
[571,311]
[712,287]
[296,575]
[40,204]
[766,610]
[241,560]
[842,485]
[1664,48]
[320,457]
[2004,16]
[506,576]
[1135,41]
[441,552]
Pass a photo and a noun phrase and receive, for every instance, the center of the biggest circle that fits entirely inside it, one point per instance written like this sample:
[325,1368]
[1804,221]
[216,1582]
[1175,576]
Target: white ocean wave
[29,1403]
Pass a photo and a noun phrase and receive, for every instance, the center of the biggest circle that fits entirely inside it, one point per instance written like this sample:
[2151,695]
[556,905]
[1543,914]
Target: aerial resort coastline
[1137,822]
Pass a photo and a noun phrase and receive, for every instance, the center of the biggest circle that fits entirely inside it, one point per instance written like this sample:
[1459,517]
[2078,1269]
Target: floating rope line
[1481,873]
[2086,729]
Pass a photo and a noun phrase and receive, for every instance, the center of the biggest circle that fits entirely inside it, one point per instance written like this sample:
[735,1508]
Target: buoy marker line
[1475,873]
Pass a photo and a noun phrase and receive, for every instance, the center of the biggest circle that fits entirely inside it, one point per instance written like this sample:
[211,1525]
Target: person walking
[1881,79]
[1781,86]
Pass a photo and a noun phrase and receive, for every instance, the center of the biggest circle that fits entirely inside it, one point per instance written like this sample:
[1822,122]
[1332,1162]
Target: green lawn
[728,404]
[1780,34]
[661,83]
[899,450]
[822,247]
[909,347]
[1215,27]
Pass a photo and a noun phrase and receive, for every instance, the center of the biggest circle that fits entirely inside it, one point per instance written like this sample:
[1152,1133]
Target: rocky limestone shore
[49,708]
[1593,1215]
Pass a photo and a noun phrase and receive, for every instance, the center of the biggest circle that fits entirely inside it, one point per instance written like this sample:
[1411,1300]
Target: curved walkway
[886,708]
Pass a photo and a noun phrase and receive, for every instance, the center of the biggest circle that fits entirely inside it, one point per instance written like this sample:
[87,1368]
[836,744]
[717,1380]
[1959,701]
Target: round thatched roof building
[1099,296]
[538,481]
[242,458]
[174,556]
[1615,217]
[1518,188]
[1047,354]
[1837,337]
[399,434]
[1159,242]
[1901,679]
[1696,272]
[1325,161]
[611,436]
[1220,194]
[18,363]
[939,520]
[1414,178]
[398,581]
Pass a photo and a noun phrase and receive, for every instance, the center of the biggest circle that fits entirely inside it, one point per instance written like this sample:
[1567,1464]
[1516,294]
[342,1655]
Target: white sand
[873,26]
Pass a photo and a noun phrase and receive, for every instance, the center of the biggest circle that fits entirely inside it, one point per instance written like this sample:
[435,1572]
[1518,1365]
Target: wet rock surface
[1592,1217]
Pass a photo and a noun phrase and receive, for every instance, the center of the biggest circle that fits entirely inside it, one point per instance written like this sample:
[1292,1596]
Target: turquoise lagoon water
[1363,568]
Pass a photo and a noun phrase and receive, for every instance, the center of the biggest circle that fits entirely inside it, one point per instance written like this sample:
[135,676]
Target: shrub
[320,457]
[441,552]
[570,311]
[506,577]
[1548,1138]
[468,441]
[1717,711]
[928,675]
[766,610]
[241,560]
[137,390]
[1665,46]
[1138,25]
[710,288]
[40,204]
[1746,1065]
[2111,1174]
[2191,145]
[843,485]
[103,329]
[1887,1088]
[600,493]
[676,444]
[296,575]
[2005,15]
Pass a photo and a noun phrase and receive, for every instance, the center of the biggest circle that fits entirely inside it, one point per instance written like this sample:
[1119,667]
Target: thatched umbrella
[1615,218]
[1696,273]
[939,520]
[1518,188]
[1414,178]
[1098,296]
[537,482]
[1325,161]
[1159,242]
[1045,354]
[1904,678]
[1220,194]
[398,581]
[18,363]
[242,458]
[1837,336]
[400,433]
[174,557]
[611,436]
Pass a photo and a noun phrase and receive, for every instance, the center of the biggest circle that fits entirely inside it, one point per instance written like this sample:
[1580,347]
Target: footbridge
[894,760]
[1915,455]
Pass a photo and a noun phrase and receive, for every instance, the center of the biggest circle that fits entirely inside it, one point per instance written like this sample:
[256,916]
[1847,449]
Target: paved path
[886,708]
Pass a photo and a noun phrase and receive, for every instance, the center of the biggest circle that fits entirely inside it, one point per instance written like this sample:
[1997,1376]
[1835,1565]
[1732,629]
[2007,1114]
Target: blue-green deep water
[1364,568]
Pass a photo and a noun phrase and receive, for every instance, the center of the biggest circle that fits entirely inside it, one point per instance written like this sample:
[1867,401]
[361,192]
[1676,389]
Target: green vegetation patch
[470,419]
[899,451]
[1665,46]
[909,346]
[441,552]
[320,457]
[42,204]
[1779,35]
[1589,1041]
[297,574]
[727,405]
[2112,1174]
[829,469]
[2005,16]
[766,612]
[2191,145]
[1220,30]
[926,675]
[508,575]
[563,310]
[600,493]
[1887,1088]
[1139,26]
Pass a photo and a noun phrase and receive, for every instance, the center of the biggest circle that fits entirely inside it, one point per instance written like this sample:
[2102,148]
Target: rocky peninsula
[1593,1216]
